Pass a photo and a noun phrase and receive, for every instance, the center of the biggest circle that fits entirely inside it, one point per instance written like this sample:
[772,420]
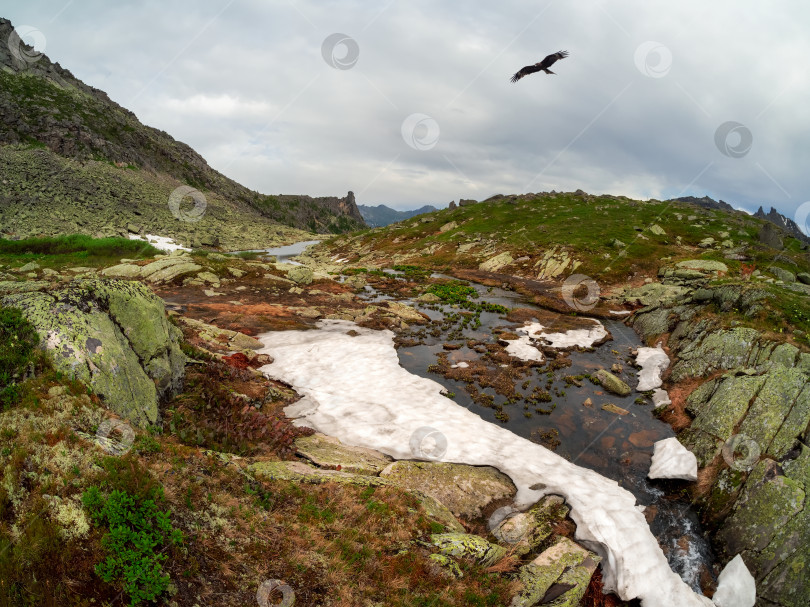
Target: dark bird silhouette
[542,66]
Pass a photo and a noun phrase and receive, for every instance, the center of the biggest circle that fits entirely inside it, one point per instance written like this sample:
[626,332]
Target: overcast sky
[413,104]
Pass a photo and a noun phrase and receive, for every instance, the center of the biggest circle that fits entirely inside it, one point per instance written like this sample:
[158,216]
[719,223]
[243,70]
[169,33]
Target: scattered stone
[496,263]
[428,298]
[452,225]
[783,275]
[657,230]
[611,383]
[611,408]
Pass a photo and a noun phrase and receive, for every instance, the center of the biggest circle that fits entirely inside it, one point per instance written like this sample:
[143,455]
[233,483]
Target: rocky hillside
[381,215]
[113,173]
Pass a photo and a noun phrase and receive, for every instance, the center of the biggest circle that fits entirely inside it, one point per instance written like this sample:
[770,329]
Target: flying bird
[542,66]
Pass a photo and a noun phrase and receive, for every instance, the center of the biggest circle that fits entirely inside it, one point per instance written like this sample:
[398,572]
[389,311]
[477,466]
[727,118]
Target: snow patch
[164,243]
[672,460]
[461,365]
[653,362]
[354,389]
[621,312]
[660,398]
[736,586]
[524,348]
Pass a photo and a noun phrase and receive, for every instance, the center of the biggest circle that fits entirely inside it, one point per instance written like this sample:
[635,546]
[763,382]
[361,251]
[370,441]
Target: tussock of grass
[78,245]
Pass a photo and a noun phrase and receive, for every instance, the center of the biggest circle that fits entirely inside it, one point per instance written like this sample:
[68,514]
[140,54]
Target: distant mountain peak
[382,215]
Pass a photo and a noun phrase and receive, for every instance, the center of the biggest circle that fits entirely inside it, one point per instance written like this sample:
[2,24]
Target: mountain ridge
[383,215]
[44,106]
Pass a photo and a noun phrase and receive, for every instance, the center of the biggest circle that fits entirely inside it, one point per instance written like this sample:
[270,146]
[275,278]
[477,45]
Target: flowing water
[619,447]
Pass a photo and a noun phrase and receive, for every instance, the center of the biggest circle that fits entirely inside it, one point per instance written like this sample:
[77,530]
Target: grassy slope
[76,121]
[585,227]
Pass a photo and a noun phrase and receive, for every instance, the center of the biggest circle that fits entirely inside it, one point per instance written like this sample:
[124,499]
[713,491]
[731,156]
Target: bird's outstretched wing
[525,71]
[540,66]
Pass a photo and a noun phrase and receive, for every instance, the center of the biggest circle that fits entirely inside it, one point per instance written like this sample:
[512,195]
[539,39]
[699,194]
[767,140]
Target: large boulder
[465,490]
[112,335]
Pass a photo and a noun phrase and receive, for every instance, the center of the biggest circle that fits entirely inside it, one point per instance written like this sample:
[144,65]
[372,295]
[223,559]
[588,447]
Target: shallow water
[619,447]
[286,253]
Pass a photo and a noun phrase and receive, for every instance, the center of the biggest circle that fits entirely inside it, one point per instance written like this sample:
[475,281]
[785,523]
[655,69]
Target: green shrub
[78,244]
[135,546]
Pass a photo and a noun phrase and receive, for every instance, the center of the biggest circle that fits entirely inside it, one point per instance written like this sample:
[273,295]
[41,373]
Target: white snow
[736,586]
[653,362]
[660,398]
[621,312]
[461,365]
[354,389]
[164,243]
[524,349]
[672,460]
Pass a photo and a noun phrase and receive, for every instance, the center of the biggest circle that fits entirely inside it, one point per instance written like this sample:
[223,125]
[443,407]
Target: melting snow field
[354,389]
[164,243]
[524,348]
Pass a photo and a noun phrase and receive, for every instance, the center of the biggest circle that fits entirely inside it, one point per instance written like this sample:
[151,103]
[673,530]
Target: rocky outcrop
[750,426]
[465,490]
[111,334]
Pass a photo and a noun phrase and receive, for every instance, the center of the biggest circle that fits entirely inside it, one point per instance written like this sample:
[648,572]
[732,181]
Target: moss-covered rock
[726,349]
[611,383]
[329,452]
[768,502]
[464,545]
[465,490]
[114,336]
[526,531]
[780,412]
[538,576]
[300,472]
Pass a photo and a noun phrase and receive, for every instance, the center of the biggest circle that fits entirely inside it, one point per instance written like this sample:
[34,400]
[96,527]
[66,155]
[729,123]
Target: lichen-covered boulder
[465,490]
[611,383]
[464,545]
[496,263]
[565,565]
[329,452]
[727,349]
[301,275]
[525,531]
[114,336]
